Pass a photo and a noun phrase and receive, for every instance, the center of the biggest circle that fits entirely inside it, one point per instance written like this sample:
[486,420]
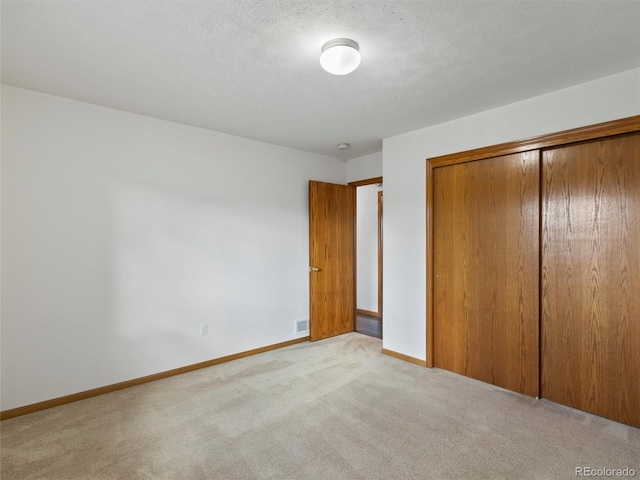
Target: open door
[331,259]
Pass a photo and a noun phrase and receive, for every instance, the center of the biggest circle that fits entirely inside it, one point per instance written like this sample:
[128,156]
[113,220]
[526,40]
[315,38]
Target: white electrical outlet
[204,329]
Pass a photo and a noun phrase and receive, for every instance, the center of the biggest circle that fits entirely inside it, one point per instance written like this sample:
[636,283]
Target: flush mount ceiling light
[340,56]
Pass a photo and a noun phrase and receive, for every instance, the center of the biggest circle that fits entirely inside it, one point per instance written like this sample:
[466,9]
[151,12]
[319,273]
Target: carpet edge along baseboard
[94,392]
[406,358]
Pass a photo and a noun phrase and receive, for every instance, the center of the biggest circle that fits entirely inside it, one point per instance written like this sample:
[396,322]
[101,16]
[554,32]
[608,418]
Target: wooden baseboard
[406,358]
[74,397]
[368,313]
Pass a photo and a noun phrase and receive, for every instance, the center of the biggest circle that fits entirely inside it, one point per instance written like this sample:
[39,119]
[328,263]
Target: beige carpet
[334,409]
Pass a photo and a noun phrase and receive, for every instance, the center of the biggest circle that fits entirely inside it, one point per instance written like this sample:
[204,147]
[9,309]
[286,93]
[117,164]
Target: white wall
[121,234]
[367,247]
[404,170]
[364,168]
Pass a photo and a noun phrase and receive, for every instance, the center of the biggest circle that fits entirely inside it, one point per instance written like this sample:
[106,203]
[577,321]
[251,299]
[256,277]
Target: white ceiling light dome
[340,56]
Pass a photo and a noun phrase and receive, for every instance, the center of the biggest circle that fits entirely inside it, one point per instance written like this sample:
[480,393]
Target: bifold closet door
[486,270]
[591,277]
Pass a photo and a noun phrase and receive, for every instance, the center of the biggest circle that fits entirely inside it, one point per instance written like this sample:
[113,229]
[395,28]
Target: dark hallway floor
[368,325]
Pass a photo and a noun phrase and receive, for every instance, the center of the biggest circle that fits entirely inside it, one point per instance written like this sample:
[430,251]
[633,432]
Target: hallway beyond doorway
[368,325]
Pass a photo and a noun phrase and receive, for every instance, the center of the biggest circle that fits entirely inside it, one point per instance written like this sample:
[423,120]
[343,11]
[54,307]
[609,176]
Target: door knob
[314,269]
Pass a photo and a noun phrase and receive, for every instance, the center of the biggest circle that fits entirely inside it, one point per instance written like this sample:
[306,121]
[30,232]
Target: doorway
[369,200]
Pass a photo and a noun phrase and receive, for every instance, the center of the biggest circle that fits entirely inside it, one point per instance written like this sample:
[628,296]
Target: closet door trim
[590,132]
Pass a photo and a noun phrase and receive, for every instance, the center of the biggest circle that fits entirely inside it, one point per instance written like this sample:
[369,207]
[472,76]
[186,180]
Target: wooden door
[591,277]
[332,259]
[486,270]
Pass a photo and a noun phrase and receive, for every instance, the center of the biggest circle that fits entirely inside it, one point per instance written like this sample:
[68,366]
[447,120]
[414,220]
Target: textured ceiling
[250,68]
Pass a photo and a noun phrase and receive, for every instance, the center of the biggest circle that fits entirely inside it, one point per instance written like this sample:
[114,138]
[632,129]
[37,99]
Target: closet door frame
[591,132]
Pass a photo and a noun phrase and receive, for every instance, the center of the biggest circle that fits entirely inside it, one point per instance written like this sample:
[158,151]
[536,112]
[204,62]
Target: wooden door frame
[361,183]
[590,132]
[380,195]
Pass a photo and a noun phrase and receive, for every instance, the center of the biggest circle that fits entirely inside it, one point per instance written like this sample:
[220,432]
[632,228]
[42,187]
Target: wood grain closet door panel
[591,277]
[486,270]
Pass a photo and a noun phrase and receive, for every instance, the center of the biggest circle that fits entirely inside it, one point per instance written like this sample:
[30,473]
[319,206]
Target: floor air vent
[302,326]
